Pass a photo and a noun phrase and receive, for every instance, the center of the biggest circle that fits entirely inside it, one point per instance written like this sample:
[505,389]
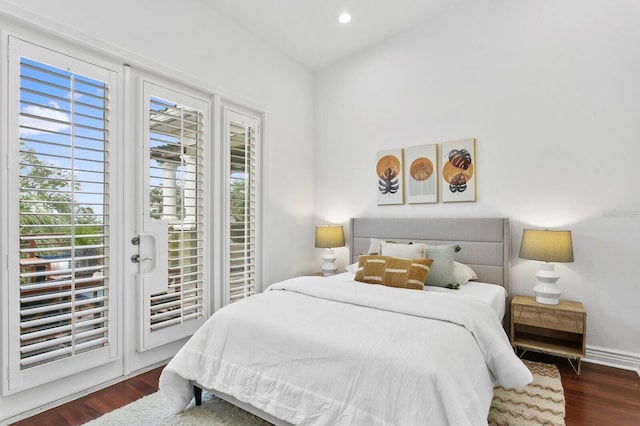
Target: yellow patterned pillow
[393,271]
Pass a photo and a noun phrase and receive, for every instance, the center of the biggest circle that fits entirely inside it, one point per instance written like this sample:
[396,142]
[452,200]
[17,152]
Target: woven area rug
[540,403]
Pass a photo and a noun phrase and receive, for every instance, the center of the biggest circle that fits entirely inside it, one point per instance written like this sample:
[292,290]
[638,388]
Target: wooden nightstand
[555,329]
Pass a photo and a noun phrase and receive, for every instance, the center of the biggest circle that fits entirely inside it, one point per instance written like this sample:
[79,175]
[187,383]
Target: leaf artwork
[388,168]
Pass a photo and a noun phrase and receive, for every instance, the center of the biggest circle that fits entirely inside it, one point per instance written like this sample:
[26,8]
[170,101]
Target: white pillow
[353,268]
[462,273]
[406,251]
[374,245]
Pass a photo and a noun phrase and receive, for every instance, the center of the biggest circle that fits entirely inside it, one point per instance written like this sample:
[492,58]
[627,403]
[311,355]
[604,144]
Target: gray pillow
[441,273]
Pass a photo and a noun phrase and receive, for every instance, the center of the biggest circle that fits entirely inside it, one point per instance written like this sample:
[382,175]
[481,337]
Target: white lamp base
[329,265]
[546,289]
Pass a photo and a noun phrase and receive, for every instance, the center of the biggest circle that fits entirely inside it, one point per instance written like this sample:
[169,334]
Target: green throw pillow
[441,273]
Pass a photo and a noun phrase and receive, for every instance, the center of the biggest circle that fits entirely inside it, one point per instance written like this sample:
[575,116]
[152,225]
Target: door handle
[135,258]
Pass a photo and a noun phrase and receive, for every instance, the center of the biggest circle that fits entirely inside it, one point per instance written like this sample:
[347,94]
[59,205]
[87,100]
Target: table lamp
[329,237]
[547,246]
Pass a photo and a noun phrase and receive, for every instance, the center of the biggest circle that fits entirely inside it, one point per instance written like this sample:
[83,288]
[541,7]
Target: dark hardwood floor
[98,403]
[599,396]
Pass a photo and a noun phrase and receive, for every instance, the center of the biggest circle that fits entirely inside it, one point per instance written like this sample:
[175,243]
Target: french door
[106,267]
[62,300]
[173,220]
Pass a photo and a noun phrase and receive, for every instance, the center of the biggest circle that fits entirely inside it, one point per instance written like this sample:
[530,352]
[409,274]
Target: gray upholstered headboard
[485,242]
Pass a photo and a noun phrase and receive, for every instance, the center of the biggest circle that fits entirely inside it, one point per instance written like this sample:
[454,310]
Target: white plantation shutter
[175,147]
[63,288]
[242,133]
[63,285]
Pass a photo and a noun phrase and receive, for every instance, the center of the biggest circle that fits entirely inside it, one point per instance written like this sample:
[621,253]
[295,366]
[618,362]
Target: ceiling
[308,30]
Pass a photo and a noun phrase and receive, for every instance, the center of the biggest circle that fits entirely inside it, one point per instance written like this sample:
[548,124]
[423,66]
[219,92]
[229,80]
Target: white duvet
[322,351]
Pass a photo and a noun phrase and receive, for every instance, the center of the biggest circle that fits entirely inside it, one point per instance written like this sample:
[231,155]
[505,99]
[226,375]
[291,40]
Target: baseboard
[611,358]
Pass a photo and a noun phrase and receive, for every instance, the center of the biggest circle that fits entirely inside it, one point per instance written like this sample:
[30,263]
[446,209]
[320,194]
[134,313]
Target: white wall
[551,91]
[202,48]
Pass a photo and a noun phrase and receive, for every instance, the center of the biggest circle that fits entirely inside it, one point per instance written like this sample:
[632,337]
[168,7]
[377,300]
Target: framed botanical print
[458,170]
[389,177]
[422,174]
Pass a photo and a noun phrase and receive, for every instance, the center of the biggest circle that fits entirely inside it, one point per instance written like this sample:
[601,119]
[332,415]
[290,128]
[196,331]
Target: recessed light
[344,18]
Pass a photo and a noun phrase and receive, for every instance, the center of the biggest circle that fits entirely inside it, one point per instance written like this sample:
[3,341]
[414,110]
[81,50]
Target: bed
[332,350]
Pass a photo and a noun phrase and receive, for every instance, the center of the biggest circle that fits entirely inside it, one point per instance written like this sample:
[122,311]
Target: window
[242,143]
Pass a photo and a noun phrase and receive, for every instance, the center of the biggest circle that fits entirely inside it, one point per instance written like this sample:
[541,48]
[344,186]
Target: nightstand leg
[578,367]
[521,354]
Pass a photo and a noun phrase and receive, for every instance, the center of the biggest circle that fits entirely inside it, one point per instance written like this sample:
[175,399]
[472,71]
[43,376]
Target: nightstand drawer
[572,322]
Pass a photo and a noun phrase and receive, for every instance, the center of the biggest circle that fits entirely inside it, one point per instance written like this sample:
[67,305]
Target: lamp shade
[329,236]
[546,246]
